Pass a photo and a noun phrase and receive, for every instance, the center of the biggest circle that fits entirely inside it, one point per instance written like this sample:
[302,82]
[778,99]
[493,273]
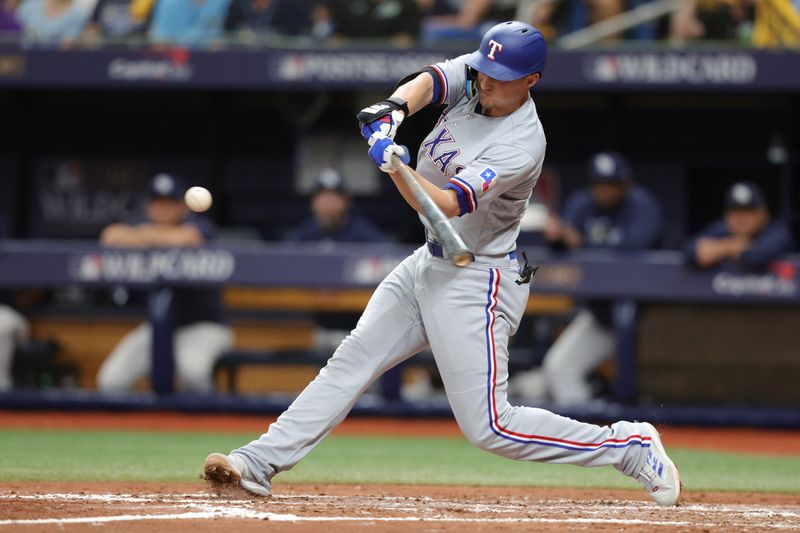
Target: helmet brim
[493,69]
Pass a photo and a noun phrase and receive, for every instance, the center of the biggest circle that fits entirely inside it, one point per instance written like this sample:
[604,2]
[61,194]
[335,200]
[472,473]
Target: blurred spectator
[745,239]
[9,25]
[398,20]
[465,20]
[253,18]
[118,19]
[557,17]
[200,335]
[188,22]
[13,332]
[713,20]
[332,216]
[552,17]
[52,21]
[333,220]
[777,24]
[613,214]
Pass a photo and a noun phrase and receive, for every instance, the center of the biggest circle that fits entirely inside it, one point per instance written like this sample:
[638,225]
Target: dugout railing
[632,280]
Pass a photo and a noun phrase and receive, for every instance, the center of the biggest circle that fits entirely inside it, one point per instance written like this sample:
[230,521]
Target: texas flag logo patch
[488,175]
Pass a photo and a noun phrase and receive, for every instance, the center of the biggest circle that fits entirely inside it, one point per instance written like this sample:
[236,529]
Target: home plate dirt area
[34,506]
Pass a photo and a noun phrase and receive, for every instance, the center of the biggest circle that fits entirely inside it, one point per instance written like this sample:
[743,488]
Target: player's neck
[502,111]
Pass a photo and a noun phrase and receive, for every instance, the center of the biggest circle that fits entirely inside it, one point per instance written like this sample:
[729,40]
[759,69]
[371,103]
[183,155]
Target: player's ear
[532,79]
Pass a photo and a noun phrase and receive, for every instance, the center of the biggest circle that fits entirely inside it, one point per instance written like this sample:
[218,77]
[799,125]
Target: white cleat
[659,475]
[229,471]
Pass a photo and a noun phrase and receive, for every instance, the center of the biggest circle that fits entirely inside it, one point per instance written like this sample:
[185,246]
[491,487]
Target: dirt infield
[50,507]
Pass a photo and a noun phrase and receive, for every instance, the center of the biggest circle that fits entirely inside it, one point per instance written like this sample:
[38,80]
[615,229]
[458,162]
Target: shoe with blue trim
[659,475]
[228,471]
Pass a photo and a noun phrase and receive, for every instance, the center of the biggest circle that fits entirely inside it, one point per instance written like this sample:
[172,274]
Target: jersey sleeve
[577,209]
[203,225]
[499,169]
[715,230]
[645,224]
[774,241]
[449,79]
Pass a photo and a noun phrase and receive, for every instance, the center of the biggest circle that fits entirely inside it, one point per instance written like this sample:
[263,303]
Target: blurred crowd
[213,23]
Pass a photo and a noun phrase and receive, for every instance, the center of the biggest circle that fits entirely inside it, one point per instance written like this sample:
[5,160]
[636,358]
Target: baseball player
[479,164]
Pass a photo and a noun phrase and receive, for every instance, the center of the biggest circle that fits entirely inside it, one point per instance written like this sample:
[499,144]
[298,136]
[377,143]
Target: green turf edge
[177,457]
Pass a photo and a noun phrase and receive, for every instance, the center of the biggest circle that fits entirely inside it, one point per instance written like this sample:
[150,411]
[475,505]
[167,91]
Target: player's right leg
[389,331]
[129,361]
[487,304]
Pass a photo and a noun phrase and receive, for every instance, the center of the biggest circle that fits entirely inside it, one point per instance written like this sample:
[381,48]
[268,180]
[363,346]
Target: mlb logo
[488,175]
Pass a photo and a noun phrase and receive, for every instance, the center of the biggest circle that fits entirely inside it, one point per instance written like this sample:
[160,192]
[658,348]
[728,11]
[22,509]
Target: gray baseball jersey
[465,315]
[491,162]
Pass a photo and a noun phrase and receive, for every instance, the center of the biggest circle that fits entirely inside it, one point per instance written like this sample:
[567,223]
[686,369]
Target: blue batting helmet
[509,51]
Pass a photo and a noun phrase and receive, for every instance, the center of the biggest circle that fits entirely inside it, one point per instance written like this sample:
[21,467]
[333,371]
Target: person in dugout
[613,213]
[745,239]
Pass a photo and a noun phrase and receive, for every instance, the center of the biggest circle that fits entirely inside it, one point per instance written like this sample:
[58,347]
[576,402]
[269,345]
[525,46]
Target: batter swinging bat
[451,241]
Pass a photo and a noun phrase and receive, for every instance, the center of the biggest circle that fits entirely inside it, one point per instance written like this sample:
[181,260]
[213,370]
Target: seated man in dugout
[746,239]
[200,334]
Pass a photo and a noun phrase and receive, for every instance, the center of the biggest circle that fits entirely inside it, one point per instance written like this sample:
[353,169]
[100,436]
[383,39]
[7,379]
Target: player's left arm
[382,119]
[417,93]
[440,83]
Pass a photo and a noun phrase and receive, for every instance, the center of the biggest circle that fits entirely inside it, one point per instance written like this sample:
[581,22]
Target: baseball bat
[457,251]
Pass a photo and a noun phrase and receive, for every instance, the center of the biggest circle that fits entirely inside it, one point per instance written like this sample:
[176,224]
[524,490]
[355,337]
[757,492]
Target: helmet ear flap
[471,84]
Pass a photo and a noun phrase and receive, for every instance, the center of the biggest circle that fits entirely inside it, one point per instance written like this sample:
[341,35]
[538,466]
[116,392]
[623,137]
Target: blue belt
[437,250]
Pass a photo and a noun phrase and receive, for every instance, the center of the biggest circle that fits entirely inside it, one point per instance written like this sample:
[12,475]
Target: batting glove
[382,119]
[382,151]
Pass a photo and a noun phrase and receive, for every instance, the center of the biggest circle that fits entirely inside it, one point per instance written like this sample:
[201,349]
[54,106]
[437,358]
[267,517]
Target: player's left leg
[197,348]
[389,331]
[469,315]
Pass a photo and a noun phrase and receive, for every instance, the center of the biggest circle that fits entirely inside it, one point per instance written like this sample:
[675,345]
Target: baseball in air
[198,199]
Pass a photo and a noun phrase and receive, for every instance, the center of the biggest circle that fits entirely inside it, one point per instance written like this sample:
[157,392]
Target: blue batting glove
[382,151]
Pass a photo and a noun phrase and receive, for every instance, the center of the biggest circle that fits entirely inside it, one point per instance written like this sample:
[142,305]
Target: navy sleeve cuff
[463,199]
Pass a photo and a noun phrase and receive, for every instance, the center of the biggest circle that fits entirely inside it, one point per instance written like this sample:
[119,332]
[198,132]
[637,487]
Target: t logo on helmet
[495,47]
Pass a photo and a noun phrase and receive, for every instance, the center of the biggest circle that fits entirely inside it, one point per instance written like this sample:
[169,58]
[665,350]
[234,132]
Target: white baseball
[198,199]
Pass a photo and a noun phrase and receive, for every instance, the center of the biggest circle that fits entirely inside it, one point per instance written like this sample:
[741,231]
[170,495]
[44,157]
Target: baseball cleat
[228,470]
[659,475]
